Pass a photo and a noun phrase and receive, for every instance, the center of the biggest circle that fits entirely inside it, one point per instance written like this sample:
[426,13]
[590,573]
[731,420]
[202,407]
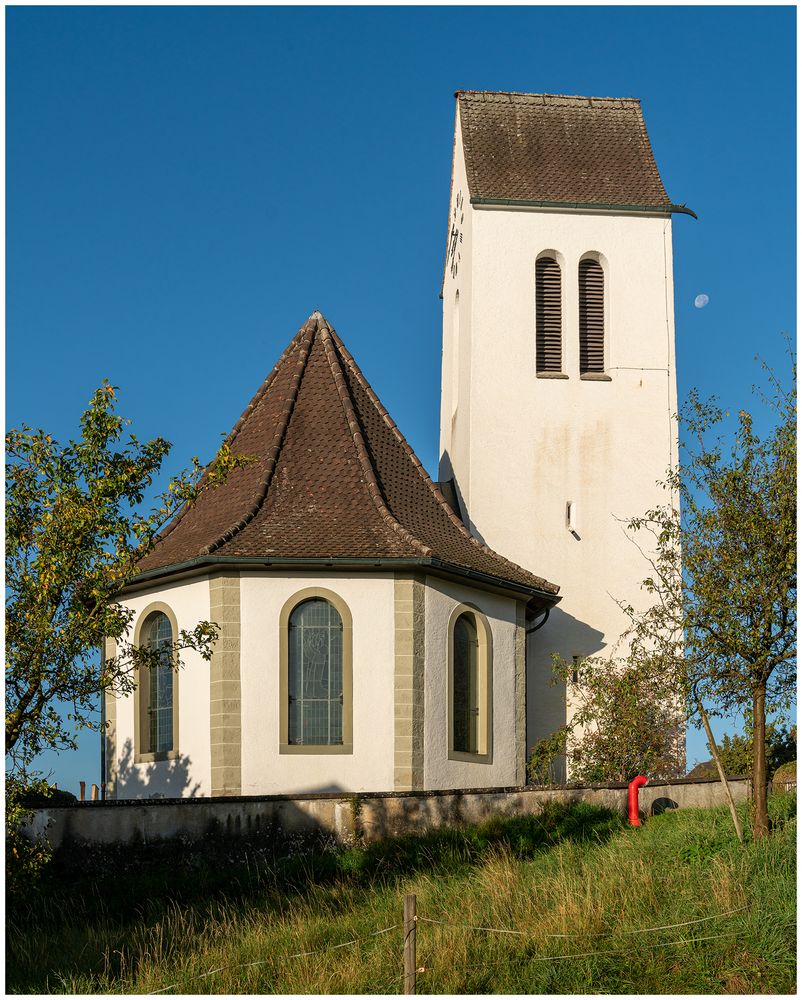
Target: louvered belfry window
[548,315]
[591,317]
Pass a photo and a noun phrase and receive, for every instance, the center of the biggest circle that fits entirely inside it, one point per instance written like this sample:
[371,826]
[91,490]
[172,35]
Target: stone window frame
[485,722]
[142,695]
[347,745]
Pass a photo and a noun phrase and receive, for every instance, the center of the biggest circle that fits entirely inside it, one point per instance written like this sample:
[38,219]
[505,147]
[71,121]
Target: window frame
[557,258]
[598,258]
[347,745]
[484,726]
[142,695]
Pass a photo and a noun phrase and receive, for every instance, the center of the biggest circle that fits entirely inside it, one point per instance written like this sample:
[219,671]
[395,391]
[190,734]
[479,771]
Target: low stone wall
[369,816]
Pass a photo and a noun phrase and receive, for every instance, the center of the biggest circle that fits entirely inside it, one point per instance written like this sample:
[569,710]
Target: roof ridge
[328,336]
[438,495]
[304,337]
[232,434]
[562,97]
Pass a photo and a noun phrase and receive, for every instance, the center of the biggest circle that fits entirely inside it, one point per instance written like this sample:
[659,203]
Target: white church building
[379,631]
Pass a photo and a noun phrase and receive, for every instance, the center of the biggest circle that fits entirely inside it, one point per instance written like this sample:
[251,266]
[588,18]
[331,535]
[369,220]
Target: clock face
[455,236]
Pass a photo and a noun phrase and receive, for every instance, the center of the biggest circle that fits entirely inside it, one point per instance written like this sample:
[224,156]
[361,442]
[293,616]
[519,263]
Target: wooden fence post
[410,958]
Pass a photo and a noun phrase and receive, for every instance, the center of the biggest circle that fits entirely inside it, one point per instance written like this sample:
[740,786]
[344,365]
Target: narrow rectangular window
[548,315]
[591,317]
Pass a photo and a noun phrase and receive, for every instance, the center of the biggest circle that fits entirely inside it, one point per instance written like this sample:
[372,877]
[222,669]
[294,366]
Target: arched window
[466,685]
[157,694]
[315,674]
[316,681]
[591,317]
[470,683]
[548,315]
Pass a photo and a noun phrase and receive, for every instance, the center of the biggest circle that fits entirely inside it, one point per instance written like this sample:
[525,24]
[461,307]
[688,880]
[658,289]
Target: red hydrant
[634,785]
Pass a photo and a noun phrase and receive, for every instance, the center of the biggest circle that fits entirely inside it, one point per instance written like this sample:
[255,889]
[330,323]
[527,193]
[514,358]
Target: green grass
[576,871]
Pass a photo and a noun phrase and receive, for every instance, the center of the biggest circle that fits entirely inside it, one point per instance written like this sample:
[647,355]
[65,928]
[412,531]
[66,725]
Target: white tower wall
[530,444]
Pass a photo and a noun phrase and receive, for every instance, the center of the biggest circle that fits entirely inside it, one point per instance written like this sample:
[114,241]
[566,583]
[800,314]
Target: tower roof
[555,150]
[333,481]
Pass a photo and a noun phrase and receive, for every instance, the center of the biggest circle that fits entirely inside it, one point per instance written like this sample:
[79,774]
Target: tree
[625,720]
[720,633]
[724,570]
[74,537]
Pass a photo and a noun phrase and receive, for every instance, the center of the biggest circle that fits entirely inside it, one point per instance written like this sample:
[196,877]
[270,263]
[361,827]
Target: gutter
[543,598]
[586,205]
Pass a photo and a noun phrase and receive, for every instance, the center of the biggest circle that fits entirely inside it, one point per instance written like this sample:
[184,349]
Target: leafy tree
[724,572]
[720,634]
[75,534]
[626,720]
[736,752]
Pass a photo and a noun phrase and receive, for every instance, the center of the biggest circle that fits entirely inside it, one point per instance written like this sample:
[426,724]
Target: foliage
[736,751]
[722,623]
[786,772]
[25,858]
[541,765]
[575,881]
[74,537]
[625,719]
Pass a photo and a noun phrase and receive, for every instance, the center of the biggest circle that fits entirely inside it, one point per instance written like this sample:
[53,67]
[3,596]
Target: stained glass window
[157,637]
[466,685]
[315,674]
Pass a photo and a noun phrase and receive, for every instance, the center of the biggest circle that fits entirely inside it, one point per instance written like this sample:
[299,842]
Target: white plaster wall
[370,767]
[440,772]
[536,443]
[190,774]
[455,414]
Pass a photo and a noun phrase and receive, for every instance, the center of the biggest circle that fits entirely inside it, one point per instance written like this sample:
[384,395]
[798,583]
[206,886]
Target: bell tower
[558,376]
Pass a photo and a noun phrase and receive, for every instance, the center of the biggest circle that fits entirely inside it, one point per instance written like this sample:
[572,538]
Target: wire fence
[412,920]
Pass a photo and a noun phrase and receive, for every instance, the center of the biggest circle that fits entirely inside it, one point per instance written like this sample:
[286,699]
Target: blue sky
[186,185]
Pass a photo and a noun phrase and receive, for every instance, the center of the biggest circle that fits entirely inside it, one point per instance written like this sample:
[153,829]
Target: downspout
[541,623]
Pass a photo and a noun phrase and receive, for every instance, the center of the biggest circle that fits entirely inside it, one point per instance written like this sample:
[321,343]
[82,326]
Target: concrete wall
[534,443]
[371,816]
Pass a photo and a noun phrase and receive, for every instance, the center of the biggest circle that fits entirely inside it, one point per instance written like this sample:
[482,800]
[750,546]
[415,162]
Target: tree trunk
[711,742]
[760,821]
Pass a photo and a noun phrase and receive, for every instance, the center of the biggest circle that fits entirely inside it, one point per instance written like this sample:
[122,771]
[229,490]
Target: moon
[701,301]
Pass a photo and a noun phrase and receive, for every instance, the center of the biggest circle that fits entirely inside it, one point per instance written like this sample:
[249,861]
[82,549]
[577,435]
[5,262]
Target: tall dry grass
[573,883]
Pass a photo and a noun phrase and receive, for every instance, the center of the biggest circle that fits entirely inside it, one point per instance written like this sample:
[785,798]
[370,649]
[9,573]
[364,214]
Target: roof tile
[559,150]
[334,478]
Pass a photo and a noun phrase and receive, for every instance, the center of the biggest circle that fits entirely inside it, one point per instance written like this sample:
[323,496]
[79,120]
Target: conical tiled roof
[333,480]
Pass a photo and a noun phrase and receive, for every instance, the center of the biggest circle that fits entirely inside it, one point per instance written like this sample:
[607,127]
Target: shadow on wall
[454,497]
[546,710]
[163,779]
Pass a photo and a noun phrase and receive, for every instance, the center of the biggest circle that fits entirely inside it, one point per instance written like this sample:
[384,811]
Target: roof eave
[587,206]
[200,564]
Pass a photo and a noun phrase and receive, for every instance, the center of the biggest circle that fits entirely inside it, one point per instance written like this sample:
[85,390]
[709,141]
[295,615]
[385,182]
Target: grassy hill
[673,907]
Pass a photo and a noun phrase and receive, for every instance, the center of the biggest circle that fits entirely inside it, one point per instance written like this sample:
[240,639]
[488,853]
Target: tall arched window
[470,687]
[157,688]
[548,315]
[466,685]
[591,317]
[315,675]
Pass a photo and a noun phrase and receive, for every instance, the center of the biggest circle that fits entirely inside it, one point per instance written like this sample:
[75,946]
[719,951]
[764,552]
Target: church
[382,631]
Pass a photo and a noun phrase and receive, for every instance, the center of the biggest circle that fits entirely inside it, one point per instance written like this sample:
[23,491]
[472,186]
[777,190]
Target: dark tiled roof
[334,479]
[559,150]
